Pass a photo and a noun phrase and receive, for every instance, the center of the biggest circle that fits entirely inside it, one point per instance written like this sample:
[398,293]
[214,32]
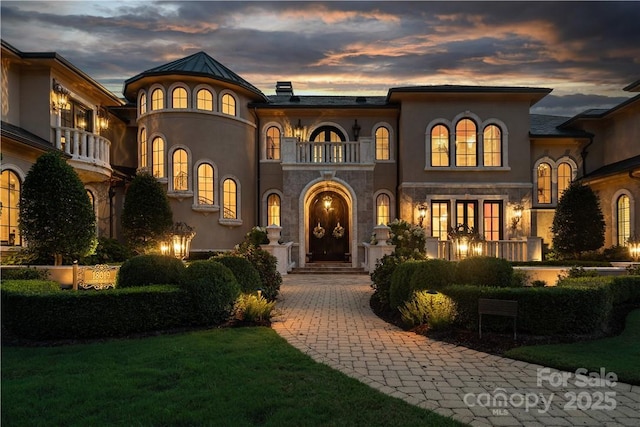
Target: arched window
[180,168]
[382,143]
[544,183]
[564,177]
[204,100]
[157,99]
[492,146]
[439,146]
[205,184]
[9,197]
[273,143]
[230,201]
[143,148]
[466,143]
[273,209]
[143,103]
[623,208]
[157,162]
[228,104]
[179,98]
[383,206]
[331,153]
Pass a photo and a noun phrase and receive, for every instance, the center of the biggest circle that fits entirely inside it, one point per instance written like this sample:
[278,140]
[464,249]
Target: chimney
[284,88]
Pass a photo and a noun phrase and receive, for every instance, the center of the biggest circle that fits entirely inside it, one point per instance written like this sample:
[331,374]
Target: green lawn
[619,354]
[224,377]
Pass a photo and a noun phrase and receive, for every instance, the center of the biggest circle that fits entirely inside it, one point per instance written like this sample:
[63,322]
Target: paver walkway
[328,317]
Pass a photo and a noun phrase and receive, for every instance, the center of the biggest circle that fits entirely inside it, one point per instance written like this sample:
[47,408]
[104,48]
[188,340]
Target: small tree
[146,216]
[578,224]
[56,216]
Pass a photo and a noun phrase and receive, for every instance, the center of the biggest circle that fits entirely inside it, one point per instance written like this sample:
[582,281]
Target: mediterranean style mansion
[327,169]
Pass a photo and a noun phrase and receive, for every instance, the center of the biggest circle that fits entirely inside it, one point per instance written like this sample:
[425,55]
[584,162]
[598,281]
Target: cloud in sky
[587,48]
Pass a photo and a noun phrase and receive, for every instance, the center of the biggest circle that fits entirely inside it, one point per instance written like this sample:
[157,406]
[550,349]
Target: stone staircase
[328,268]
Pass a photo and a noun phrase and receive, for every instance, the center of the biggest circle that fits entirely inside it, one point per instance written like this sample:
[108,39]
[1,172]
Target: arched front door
[328,227]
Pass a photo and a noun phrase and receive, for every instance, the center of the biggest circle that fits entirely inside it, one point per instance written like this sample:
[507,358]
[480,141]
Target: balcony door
[328,227]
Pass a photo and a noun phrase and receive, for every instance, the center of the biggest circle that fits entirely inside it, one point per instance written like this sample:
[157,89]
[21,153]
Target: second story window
[76,116]
[157,162]
[230,203]
[204,100]
[273,143]
[439,146]
[143,148]
[466,143]
[143,103]
[492,146]
[157,99]
[180,168]
[179,98]
[382,143]
[228,104]
[544,183]
[205,184]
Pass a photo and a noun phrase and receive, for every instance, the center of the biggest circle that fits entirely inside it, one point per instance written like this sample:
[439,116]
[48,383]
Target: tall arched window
[492,146]
[273,143]
[157,161]
[333,152]
[204,100]
[273,209]
[205,184]
[466,143]
[180,168]
[9,197]
[439,146]
[179,98]
[623,208]
[143,103]
[544,183]
[157,99]
[564,177]
[383,206]
[143,148]
[382,143]
[228,104]
[230,201]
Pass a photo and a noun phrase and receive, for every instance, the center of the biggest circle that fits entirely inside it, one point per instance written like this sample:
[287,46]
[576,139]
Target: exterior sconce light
[179,243]
[60,96]
[356,130]
[297,130]
[102,121]
[517,216]
[422,212]
[634,248]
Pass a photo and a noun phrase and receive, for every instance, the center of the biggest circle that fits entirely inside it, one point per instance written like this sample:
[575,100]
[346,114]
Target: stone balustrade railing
[83,146]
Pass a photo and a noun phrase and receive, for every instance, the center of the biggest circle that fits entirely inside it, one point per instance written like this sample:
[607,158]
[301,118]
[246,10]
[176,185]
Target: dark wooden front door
[328,227]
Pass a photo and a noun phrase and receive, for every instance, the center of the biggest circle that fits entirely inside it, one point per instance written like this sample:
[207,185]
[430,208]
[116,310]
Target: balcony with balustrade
[336,154]
[89,151]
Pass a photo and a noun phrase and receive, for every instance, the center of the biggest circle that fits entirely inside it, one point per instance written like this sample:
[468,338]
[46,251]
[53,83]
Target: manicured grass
[224,377]
[619,354]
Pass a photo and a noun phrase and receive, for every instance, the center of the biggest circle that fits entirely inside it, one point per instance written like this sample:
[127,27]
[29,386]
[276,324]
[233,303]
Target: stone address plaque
[100,276]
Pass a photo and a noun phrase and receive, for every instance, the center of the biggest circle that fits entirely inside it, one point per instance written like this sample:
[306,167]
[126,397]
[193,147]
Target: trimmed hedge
[541,311]
[41,311]
[212,289]
[381,277]
[433,274]
[485,271]
[23,273]
[244,272]
[144,270]
[401,291]
[623,289]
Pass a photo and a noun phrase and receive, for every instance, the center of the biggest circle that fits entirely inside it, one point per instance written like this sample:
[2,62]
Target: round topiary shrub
[401,291]
[213,290]
[146,270]
[244,272]
[485,271]
[433,274]
[267,267]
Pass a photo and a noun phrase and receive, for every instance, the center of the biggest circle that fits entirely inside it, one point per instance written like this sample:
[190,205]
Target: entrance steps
[328,268]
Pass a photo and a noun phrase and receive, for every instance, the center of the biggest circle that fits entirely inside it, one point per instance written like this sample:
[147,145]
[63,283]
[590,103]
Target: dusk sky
[586,51]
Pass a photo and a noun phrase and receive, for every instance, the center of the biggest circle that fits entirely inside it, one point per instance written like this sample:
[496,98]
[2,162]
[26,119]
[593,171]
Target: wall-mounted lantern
[102,119]
[356,130]
[60,96]
[422,212]
[297,130]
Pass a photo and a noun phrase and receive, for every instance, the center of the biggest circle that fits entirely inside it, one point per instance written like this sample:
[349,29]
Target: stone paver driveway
[328,317]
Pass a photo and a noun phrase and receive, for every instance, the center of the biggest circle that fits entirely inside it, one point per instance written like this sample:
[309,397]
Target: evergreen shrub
[212,290]
[433,274]
[145,270]
[485,271]
[400,290]
[244,272]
